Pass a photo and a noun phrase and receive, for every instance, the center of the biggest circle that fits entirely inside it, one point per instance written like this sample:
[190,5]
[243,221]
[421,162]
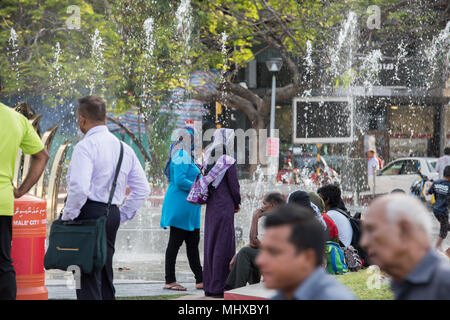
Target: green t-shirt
[15,132]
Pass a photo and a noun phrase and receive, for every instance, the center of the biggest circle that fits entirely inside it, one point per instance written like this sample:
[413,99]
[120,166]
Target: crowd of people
[293,254]
[307,237]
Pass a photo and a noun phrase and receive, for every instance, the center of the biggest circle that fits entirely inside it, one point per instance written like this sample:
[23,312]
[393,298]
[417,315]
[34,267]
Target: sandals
[199,288]
[175,287]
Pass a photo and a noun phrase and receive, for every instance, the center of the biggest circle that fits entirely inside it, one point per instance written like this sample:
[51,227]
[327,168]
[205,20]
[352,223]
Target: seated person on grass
[242,266]
[291,254]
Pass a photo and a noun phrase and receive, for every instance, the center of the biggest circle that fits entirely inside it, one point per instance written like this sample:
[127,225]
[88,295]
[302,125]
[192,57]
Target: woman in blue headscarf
[182,217]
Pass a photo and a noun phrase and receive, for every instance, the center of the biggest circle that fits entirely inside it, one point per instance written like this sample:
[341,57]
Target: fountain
[144,242]
[141,243]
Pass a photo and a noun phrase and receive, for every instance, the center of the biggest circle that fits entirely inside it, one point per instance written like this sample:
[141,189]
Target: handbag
[197,194]
[80,243]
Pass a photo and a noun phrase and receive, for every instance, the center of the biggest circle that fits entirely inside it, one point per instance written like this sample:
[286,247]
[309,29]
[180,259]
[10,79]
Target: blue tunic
[176,211]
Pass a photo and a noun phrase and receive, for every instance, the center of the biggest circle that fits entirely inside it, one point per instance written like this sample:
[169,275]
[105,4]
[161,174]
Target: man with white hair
[396,235]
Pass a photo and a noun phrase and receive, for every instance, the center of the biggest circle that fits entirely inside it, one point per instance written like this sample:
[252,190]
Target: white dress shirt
[91,173]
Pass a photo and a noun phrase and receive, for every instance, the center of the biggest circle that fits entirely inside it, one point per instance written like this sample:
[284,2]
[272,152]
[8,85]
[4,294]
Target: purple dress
[220,245]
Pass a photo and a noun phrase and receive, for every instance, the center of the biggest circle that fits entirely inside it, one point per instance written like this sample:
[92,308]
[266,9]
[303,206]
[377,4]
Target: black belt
[100,203]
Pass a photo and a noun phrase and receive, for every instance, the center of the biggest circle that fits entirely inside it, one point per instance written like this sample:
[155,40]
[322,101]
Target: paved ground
[60,289]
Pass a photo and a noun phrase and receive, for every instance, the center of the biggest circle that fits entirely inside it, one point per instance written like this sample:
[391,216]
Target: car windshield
[432,165]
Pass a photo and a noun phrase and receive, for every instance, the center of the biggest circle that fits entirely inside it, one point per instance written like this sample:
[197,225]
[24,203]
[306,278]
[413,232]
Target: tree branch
[133,137]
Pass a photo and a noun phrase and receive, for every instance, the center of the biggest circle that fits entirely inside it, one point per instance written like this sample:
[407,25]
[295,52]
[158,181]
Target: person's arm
[430,190]
[137,181]
[38,163]
[233,183]
[233,261]
[254,241]
[81,167]
[31,144]
[182,163]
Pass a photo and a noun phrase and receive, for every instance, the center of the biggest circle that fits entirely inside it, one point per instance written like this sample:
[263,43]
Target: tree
[49,57]
[129,52]
[135,53]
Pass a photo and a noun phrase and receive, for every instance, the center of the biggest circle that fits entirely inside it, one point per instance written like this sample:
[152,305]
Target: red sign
[273,147]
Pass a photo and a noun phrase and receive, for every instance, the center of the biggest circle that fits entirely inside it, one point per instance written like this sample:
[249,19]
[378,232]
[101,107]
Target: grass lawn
[357,282]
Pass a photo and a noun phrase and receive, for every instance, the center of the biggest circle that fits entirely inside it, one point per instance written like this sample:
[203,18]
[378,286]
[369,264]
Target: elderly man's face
[381,239]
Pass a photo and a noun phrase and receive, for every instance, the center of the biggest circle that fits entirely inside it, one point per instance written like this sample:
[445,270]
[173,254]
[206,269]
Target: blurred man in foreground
[396,235]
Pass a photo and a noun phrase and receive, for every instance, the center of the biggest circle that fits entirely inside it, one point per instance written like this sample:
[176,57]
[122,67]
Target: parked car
[403,172]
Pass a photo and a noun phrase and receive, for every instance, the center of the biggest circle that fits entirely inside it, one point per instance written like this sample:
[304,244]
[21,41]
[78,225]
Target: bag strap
[342,212]
[116,175]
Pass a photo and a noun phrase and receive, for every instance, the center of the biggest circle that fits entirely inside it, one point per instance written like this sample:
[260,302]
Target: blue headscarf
[180,144]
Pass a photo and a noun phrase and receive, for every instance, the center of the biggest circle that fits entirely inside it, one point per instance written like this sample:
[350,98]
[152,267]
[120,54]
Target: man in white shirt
[331,196]
[372,167]
[443,162]
[89,179]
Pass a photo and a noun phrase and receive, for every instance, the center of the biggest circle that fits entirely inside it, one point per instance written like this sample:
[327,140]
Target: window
[393,169]
[432,166]
[411,167]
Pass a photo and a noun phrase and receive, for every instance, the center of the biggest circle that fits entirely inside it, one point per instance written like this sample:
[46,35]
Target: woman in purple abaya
[223,202]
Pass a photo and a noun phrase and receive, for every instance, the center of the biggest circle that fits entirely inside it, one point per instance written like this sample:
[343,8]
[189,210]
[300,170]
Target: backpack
[335,259]
[352,258]
[357,233]
[356,227]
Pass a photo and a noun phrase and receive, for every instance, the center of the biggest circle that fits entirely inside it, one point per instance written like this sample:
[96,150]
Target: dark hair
[93,108]
[398,191]
[447,172]
[300,198]
[331,192]
[307,232]
[446,150]
[275,197]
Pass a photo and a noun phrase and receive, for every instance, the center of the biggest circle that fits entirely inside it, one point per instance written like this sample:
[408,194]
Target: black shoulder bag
[80,243]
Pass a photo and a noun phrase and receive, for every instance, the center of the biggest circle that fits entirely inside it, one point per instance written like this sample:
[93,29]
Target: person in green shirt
[15,132]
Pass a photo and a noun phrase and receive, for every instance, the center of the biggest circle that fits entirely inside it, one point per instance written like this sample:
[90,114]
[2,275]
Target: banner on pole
[273,147]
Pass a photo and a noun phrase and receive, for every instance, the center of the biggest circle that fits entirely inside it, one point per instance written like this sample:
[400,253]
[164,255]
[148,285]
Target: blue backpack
[335,259]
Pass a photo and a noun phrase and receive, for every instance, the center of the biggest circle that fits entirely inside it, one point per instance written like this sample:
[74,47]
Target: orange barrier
[28,247]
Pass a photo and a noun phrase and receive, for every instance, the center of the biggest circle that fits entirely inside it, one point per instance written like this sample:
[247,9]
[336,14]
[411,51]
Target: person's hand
[237,209]
[17,192]
[233,261]
[259,213]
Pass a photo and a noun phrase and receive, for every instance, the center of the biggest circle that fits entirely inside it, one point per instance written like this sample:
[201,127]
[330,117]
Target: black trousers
[99,284]
[8,288]
[444,224]
[176,239]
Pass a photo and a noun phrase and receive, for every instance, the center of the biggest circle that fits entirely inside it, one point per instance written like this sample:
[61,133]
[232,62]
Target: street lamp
[274,65]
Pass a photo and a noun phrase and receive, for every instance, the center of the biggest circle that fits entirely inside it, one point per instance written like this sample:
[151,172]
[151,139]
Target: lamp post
[274,66]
